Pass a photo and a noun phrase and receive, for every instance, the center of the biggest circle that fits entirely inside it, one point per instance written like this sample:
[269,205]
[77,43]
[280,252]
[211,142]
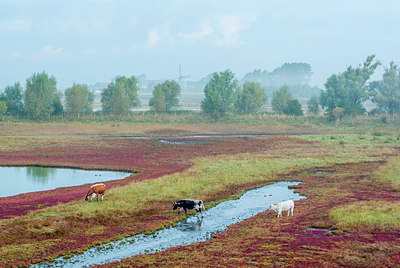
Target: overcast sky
[90,41]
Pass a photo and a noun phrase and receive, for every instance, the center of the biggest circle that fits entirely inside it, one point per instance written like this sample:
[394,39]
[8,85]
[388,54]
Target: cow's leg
[102,197]
[288,212]
[197,212]
[291,209]
[185,210]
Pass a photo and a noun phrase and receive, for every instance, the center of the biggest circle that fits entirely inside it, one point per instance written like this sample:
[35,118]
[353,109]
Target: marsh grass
[368,213]
[208,177]
[140,123]
[390,172]
[371,213]
[363,147]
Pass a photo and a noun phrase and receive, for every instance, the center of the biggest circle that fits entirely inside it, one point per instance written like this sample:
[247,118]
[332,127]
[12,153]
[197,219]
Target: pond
[18,180]
[193,229]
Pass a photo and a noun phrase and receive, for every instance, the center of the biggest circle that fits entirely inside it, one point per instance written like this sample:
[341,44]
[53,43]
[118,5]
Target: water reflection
[40,175]
[191,225]
[18,180]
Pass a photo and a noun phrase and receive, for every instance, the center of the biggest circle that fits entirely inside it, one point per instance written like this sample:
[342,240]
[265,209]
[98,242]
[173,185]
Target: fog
[95,40]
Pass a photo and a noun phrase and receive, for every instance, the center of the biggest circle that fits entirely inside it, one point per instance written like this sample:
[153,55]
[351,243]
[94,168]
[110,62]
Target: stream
[194,229]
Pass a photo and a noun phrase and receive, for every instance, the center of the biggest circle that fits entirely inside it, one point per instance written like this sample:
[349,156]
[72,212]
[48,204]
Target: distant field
[192,122]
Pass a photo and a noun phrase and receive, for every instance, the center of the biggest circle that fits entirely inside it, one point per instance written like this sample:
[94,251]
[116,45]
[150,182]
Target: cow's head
[86,198]
[175,206]
[273,207]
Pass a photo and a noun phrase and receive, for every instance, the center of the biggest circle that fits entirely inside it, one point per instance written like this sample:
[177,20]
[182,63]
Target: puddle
[318,232]
[319,229]
[320,172]
[18,180]
[187,142]
[228,136]
[193,229]
[180,136]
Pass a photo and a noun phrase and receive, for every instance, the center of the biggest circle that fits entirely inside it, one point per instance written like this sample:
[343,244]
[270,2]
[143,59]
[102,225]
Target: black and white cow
[186,204]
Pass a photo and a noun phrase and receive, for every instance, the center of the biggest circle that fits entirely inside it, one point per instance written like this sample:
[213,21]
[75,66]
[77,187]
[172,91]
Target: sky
[89,41]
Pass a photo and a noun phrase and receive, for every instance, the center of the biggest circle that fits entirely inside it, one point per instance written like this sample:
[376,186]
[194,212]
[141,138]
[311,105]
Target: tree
[219,94]
[78,100]
[348,90]
[41,99]
[293,108]
[120,96]
[3,109]
[165,96]
[58,107]
[12,96]
[296,76]
[251,98]
[280,99]
[386,93]
[284,103]
[313,105]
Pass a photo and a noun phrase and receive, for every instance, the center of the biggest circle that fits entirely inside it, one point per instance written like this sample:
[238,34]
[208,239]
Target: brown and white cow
[94,192]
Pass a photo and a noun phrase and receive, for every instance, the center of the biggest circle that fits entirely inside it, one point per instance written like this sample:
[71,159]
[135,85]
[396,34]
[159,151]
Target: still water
[18,180]
[194,229]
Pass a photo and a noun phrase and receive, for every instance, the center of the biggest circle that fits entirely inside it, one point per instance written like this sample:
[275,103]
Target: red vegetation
[309,239]
[259,241]
[148,157]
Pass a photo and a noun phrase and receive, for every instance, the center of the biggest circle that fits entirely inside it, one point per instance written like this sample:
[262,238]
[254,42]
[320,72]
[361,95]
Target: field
[349,218]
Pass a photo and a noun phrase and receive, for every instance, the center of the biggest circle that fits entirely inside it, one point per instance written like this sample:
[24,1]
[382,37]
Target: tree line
[344,94]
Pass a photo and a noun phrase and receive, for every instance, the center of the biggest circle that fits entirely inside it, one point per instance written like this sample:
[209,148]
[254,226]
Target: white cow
[283,206]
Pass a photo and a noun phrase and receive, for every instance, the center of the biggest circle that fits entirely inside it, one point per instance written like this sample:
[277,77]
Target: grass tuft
[368,213]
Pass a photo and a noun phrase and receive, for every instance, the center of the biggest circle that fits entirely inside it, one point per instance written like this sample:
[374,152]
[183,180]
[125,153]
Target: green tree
[251,98]
[12,96]
[3,109]
[280,99]
[313,105]
[165,96]
[78,100]
[293,108]
[58,107]
[219,94]
[120,96]
[348,90]
[386,93]
[284,103]
[41,99]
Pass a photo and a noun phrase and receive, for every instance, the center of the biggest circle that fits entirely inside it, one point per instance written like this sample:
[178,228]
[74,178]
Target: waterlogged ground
[309,239]
[150,158]
[36,228]
[194,229]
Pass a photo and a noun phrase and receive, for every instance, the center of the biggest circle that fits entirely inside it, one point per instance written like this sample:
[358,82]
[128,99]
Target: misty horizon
[96,40]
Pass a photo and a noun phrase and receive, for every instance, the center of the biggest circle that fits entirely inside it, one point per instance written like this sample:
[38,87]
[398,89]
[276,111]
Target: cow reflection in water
[190,226]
